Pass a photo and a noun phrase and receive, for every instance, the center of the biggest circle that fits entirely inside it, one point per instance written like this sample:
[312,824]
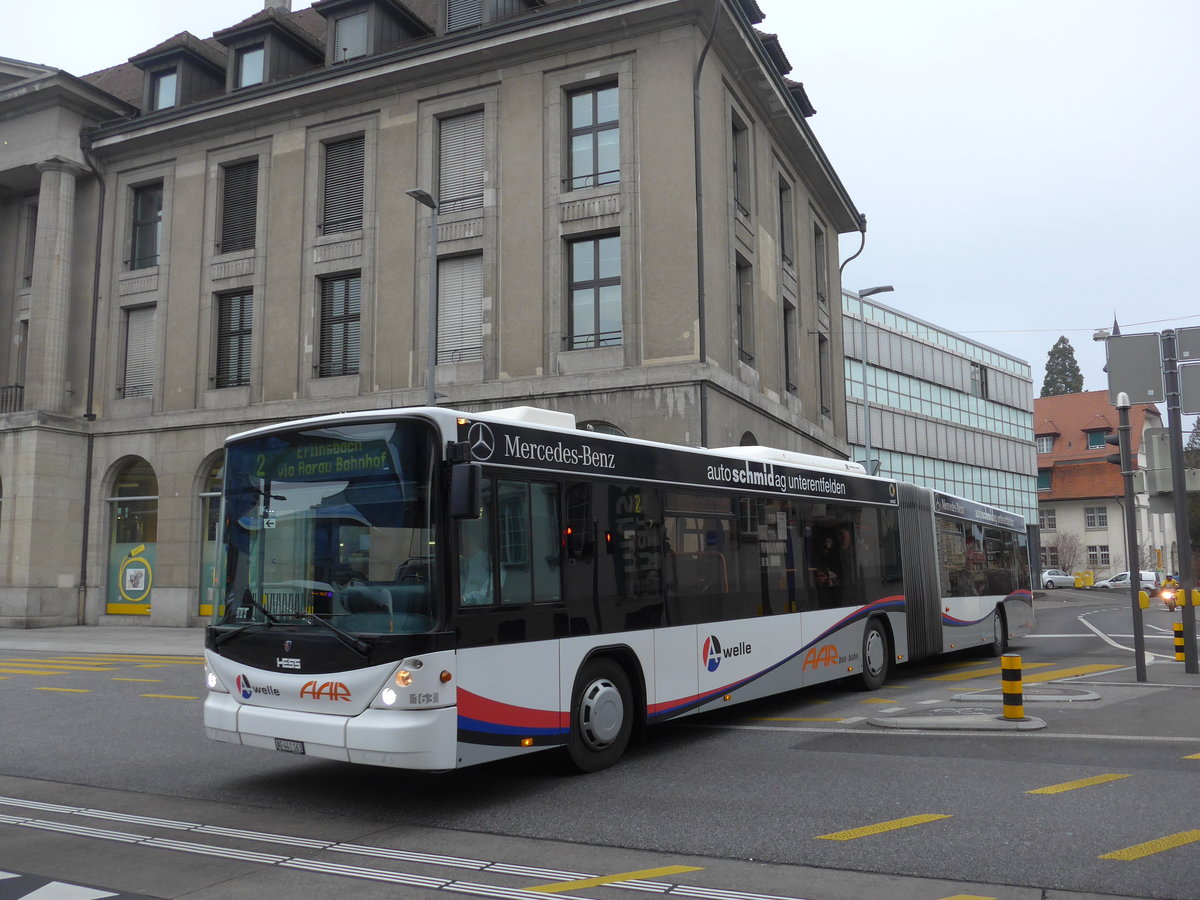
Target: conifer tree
[1062,371]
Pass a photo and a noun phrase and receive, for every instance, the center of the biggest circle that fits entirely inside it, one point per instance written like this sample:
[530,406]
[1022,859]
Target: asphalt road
[107,780]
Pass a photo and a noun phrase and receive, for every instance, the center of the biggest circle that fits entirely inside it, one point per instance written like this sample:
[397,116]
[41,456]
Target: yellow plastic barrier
[1085,579]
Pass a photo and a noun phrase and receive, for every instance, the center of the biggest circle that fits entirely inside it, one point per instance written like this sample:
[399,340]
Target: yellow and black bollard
[1014,697]
[1179,654]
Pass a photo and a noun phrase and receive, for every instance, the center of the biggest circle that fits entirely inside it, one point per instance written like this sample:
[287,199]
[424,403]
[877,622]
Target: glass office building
[945,412]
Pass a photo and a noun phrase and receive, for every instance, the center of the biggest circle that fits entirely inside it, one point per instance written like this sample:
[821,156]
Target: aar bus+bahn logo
[711,652]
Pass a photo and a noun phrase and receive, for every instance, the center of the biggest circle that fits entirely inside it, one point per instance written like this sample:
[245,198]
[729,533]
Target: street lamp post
[872,469]
[427,199]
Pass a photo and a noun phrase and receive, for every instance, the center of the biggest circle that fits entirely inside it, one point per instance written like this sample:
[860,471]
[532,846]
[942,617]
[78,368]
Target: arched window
[210,531]
[748,439]
[133,533]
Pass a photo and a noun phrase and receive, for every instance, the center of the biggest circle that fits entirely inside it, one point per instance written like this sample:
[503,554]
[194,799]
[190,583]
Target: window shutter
[341,302]
[343,185]
[239,210]
[460,309]
[461,163]
[463,14]
[235,316]
[350,37]
[139,352]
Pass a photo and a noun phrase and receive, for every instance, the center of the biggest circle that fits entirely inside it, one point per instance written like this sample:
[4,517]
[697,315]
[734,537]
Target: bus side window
[476,572]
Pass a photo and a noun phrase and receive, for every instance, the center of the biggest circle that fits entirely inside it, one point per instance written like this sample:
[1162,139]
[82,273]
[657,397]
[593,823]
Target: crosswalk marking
[851,834]
[1159,845]
[1080,783]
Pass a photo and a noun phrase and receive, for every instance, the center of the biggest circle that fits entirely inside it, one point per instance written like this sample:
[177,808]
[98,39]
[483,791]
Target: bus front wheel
[601,716]
[876,657]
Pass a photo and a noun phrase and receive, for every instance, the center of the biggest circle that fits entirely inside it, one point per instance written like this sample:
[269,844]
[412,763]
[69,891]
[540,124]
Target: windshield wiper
[247,598]
[359,646]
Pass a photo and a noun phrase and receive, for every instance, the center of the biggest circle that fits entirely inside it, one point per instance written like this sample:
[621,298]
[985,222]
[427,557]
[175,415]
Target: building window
[341,302]
[1047,520]
[1050,557]
[250,65]
[31,216]
[461,162]
[741,166]
[595,287]
[163,88]
[825,374]
[343,194]
[460,309]
[1045,444]
[595,136]
[745,311]
[1098,556]
[979,381]
[1096,440]
[820,264]
[1095,516]
[147,226]
[350,37]
[1043,483]
[235,314]
[789,351]
[463,14]
[239,206]
[787,225]
[138,378]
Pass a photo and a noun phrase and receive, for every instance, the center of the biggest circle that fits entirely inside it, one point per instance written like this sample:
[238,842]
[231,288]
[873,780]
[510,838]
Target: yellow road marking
[878,700]
[56,664]
[1170,842]
[1072,785]
[982,673]
[1193,756]
[798,719]
[1067,673]
[612,879]
[881,827]
[141,680]
[169,697]
[65,690]
[968,897]
[9,671]
[109,658]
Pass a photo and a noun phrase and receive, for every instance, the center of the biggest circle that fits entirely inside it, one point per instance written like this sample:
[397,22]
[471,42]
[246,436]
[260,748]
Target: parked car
[1057,578]
[1121,581]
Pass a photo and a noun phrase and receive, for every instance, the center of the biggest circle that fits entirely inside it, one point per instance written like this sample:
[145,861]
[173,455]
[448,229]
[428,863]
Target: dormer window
[164,87]
[350,37]
[250,65]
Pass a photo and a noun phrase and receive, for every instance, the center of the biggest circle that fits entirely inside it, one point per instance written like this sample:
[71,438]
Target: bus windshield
[332,526]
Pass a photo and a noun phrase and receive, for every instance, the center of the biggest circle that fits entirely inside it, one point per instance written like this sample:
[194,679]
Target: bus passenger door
[579,559]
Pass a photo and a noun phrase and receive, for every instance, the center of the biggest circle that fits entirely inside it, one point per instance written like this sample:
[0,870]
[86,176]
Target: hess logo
[325,690]
[711,652]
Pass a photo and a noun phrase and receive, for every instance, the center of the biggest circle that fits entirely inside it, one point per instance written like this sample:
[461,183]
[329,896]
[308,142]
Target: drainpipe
[85,143]
[703,342]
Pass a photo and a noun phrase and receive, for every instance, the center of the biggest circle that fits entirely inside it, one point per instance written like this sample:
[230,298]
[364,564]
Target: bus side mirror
[466,491]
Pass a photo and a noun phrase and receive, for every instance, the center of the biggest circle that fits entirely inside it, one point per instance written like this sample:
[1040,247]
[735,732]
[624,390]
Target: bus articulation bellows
[428,589]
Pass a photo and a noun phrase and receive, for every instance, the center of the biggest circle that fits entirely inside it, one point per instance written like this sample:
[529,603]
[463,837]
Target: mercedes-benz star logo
[481,441]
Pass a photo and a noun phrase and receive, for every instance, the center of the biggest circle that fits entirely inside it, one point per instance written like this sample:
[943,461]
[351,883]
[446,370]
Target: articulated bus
[430,589]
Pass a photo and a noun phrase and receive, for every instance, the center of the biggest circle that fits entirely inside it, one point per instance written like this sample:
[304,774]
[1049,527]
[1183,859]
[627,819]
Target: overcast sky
[1028,168]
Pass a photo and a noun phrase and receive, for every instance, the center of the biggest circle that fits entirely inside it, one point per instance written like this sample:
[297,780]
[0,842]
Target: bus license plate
[289,746]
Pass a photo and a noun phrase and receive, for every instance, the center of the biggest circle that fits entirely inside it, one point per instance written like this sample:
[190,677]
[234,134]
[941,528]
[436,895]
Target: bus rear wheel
[876,657]
[601,716]
[999,634]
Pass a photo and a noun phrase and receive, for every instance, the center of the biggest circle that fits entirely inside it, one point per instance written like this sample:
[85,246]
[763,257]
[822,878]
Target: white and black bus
[429,589]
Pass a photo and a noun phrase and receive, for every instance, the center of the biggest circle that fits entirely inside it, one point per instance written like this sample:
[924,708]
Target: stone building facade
[635,224]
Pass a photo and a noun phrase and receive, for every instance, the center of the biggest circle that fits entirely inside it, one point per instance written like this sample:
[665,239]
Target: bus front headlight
[212,681]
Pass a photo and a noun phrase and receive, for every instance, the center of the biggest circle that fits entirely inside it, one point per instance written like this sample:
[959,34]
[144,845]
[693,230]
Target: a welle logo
[711,652]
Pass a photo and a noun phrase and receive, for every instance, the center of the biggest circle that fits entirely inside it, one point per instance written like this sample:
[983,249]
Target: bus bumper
[400,738]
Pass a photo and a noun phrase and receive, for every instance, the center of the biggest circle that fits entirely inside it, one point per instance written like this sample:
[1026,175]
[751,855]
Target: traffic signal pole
[1131,541]
[1187,579]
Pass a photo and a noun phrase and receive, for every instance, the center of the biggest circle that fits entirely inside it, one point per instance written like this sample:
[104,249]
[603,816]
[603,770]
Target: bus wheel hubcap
[874,652]
[601,712]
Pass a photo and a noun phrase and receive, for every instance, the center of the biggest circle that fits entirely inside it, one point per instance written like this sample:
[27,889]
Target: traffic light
[1115,440]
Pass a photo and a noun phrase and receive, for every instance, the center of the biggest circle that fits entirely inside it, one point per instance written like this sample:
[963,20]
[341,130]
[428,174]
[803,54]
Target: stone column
[50,292]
